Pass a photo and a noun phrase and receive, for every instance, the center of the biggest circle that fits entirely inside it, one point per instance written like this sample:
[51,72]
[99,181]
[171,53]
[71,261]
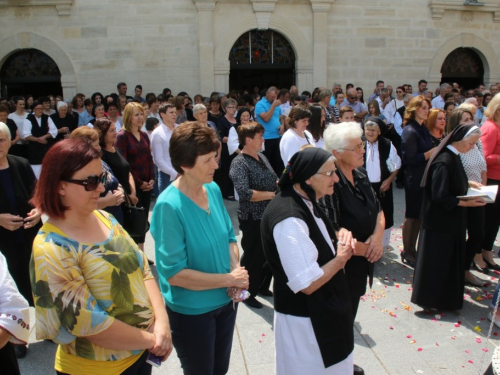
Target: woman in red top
[134,145]
[491,146]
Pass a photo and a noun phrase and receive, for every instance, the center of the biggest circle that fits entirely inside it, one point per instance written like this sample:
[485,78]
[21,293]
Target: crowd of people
[313,174]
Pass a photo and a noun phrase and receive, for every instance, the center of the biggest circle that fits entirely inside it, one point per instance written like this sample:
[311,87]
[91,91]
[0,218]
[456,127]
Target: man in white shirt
[160,143]
[38,128]
[438,101]
[383,99]
[284,98]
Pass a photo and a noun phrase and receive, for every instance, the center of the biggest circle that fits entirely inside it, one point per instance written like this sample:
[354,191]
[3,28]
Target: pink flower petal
[420,349]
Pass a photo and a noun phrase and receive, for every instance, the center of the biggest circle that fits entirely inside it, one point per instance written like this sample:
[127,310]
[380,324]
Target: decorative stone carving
[467,16]
[438,7]
[22,13]
[63,6]
[263,10]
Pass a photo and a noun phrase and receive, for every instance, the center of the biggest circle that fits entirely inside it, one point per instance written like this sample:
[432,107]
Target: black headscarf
[301,167]
[456,135]
[381,124]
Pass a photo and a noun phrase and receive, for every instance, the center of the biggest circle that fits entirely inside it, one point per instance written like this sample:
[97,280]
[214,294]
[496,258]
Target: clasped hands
[163,340]
[239,281]
[347,243]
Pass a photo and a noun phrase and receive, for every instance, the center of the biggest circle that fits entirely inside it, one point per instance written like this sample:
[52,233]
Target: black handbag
[135,218]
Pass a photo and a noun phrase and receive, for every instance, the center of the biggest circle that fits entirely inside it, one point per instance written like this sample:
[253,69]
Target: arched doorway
[261,58]
[464,66]
[30,71]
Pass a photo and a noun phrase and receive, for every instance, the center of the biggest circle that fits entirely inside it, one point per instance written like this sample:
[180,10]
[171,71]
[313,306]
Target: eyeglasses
[91,182]
[328,173]
[358,148]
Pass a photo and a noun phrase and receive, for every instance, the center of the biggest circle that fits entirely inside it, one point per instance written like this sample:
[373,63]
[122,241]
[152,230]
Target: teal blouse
[188,237]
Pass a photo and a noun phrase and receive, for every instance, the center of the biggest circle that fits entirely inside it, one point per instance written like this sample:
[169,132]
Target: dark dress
[440,271]
[225,161]
[111,185]
[415,141]
[66,122]
[386,198]
[17,184]
[356,209]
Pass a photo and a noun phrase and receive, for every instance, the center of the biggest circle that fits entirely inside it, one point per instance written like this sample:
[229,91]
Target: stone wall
[184,44]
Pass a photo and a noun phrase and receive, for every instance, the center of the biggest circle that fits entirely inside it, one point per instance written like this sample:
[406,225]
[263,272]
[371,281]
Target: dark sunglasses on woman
[91,182]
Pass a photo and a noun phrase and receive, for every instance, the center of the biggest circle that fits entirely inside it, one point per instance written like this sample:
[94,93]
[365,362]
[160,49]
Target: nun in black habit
[439,274]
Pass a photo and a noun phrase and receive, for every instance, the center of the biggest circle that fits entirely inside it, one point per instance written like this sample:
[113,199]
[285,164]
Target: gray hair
[5,130]
[61,104]
[470,100]
[198,107]
[384,90]
[444,86]
[336,84]
[337,136]
[324,93]
[471,107]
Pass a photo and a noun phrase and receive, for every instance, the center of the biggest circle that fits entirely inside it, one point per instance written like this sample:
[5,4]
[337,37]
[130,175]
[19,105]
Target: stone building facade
[185,44]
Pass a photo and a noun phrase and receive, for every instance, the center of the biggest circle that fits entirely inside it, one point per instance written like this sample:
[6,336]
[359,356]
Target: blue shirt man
[267,113]
[351,101]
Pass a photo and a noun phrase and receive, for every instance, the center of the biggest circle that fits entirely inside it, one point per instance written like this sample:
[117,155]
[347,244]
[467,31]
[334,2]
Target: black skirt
[386,202]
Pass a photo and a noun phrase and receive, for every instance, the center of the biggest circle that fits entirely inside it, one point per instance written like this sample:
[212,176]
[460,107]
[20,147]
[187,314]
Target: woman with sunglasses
[354,206]
[94,293]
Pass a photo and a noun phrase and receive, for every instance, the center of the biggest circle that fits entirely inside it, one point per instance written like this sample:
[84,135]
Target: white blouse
[291,143]
[373,161]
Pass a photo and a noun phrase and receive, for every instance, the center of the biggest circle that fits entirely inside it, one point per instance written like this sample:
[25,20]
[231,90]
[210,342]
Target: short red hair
[61,162]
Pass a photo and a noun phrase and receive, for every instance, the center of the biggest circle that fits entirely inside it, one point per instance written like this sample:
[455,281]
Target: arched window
[464,66]
[261,58]
[30,71]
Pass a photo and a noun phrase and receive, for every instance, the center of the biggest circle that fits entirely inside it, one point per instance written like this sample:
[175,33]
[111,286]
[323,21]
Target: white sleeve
[26,130]
[288,147]
[52,128]
[393,155]
[390,110]
[162,158]
[14,309]
[398,123]
[232,142]
[297,253]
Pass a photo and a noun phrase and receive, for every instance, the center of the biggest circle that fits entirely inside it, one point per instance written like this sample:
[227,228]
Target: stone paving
[392,335]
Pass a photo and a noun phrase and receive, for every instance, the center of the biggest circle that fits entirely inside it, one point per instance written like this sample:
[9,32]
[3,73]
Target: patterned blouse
[249,174]
[80,289]
[138,155]
[474,163]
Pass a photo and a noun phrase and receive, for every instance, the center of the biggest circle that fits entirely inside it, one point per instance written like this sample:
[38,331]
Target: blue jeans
[156,191]
[163,181]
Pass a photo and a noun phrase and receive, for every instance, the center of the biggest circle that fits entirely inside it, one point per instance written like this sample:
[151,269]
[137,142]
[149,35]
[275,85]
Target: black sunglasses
[91,182]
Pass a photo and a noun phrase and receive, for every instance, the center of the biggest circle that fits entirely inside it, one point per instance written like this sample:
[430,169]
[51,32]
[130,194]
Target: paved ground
[392,335]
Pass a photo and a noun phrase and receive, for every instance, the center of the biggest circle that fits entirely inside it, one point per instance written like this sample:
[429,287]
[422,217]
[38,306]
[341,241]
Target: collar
[452,149]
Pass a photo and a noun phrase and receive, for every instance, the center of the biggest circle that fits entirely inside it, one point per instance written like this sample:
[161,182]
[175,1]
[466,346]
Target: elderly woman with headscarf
[64,123]
[382,164]
[313,317]
[439,274]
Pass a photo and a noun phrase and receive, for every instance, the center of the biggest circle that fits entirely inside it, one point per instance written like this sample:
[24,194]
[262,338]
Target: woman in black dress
[64,123]
[224,125]
[255,181]
[416,147]
[439,274]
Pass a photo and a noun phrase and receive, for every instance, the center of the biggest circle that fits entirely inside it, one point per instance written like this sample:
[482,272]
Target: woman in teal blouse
[197,255]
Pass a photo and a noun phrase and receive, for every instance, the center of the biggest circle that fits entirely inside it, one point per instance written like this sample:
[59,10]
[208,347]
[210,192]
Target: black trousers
[253,258]
[272,153]
[492,219]
[203,342]
[18,262]
[144,201]
[475,234]
[8,360]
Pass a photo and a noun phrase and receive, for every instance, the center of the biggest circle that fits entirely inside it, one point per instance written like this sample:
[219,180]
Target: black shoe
[151,262]
[252,302]
[20,350]
[479,269]
[492,266]
[404,259]
[266,293]
[358,370]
